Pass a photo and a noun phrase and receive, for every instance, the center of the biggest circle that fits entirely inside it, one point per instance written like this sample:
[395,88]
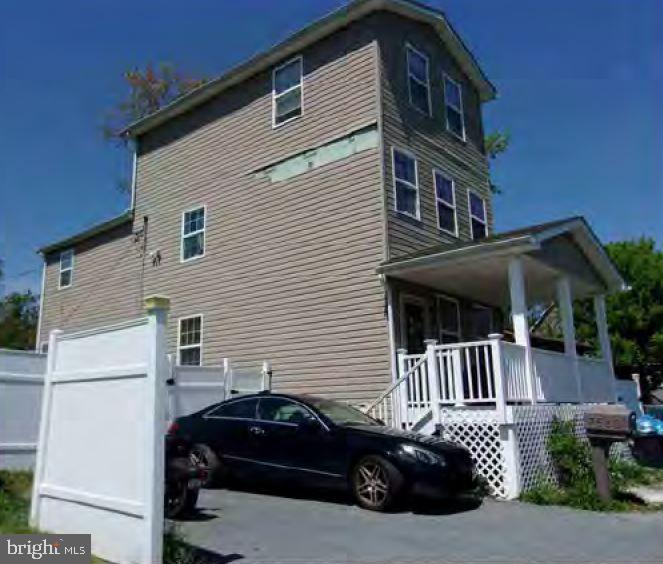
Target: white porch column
[565,304]
[602,330]
[519,318]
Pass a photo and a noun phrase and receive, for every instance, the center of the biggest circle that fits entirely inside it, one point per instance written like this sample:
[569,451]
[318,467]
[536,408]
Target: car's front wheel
[376,483]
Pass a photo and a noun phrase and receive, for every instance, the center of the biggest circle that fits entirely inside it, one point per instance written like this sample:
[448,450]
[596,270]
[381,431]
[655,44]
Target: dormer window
[418,81]
[287,91]
[66,268]
[453,102]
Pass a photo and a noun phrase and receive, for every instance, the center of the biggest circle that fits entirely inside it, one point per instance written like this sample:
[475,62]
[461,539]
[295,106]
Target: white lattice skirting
[533,424]
[512,457]
[478,430]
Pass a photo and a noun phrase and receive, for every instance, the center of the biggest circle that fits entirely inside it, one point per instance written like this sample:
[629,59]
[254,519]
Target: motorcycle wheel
[179,500]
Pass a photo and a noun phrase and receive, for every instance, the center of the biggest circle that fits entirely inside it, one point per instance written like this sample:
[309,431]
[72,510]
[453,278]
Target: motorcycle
[184,478]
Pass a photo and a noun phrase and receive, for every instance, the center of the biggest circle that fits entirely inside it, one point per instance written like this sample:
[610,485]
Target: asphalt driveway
[246,527]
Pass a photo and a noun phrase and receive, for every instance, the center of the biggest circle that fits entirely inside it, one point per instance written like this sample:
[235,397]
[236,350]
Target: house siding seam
[288,274]
[426,137]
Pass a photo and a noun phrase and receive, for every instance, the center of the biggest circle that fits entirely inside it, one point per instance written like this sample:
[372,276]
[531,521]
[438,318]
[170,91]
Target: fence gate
[99,466]
[21,381]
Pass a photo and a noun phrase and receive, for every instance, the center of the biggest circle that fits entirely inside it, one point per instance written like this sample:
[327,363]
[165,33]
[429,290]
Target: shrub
[576,487]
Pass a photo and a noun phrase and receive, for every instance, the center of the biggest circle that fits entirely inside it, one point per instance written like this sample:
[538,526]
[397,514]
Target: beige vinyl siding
[426,137]
[288,274]
[105,287]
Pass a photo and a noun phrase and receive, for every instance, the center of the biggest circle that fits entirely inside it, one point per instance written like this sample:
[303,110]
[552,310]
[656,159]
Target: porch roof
[479,269]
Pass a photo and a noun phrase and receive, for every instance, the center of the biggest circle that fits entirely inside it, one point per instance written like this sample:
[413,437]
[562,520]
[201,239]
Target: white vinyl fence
[192,388]
[21,382]
[100,460]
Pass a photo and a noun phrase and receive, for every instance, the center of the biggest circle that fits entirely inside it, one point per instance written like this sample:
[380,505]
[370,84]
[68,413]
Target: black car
[313,441]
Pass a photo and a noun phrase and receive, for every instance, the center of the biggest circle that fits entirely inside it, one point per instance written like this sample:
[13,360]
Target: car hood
[426,441]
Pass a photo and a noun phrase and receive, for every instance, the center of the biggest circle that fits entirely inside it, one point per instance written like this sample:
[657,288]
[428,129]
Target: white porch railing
[488,373]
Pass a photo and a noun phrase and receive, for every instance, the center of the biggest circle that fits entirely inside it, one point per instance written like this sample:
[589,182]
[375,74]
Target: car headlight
[424,456]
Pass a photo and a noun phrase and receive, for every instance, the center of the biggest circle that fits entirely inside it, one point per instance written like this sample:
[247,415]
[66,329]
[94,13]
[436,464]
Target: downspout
[41,304]
[134,168]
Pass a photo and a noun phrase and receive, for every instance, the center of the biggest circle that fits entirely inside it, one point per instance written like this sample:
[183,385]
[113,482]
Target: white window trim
[456,302]
[437,171]
[275,95]
[410,154]
[446,77]
[70,269]
[409,47]
[188,347]
[484,222]
[203,231]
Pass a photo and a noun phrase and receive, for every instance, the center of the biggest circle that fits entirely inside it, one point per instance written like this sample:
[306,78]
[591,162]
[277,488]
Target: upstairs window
[418,79]
[406,187]
[287,91]
[453,102]
[445,203]
[478,223]
[193,234]
[66,268]
[190,341]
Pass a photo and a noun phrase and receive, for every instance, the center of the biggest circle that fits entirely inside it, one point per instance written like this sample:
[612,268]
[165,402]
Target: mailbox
[610,422]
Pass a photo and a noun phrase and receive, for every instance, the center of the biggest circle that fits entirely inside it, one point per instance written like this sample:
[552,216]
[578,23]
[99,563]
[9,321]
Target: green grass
[15,491]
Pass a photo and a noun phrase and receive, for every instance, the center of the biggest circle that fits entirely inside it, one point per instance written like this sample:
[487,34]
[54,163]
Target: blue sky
[580,82]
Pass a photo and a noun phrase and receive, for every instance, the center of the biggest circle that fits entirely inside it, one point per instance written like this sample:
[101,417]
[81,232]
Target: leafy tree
[635,316]
[496,143]
[149,90]
[19,315]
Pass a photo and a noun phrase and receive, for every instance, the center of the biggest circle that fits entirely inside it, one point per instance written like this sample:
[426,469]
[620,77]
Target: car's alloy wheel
[376,483]
[203,456]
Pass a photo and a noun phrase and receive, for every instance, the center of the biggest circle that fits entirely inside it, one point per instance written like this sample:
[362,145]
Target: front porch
[479,380]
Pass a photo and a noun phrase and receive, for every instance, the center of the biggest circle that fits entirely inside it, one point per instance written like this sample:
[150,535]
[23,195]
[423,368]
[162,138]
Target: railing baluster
[478,371]
[468,368]
[490,373]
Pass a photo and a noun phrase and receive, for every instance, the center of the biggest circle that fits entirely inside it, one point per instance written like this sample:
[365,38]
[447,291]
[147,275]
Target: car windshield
[342,414]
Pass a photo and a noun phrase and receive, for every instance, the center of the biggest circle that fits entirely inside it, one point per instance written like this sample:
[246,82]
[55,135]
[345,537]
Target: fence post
[402,390]
[42,443]
[157,313]
[266,375]
[172,390]
[227,377]
[433,379]
[498,374]
[459,388]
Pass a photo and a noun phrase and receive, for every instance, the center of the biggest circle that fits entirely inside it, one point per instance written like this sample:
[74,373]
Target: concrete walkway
[248,527]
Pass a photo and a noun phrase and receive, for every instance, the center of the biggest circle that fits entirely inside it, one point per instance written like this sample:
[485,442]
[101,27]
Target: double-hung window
[190,341]
[406,187]
[445,203]
[287,91]
[453,102]
[66,268]
[418,81]
[193,234]
[478,223]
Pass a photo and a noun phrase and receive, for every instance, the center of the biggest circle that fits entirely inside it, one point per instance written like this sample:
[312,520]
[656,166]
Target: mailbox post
[606,424]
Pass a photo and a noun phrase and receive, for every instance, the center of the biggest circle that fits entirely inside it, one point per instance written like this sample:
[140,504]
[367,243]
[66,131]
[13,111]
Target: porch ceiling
[478,270]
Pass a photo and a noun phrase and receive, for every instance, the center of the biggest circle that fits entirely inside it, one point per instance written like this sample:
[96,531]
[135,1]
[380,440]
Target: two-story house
[323,205]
